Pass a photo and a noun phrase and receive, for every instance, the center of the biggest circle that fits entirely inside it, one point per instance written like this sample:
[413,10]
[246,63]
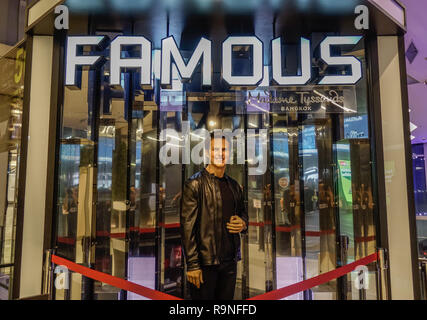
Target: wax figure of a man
[213,214]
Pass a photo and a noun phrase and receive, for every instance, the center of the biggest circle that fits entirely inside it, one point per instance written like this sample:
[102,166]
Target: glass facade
[306,175]
[12,67]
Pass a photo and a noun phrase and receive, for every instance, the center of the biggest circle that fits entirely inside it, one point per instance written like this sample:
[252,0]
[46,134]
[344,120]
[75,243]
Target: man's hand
[195,277]
[236,225]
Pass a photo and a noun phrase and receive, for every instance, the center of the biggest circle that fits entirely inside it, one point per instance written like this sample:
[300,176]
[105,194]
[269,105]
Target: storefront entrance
[308,184]
[302,154]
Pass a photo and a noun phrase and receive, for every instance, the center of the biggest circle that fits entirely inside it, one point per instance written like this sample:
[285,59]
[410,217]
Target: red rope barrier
[67,240]
[157,295]
[292,228]
[315,281]
[364,239]
[114,281]
[308,233]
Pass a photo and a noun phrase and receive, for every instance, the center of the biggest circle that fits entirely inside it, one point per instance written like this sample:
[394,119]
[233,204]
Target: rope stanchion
[114,281]
[157,295]
[315,281]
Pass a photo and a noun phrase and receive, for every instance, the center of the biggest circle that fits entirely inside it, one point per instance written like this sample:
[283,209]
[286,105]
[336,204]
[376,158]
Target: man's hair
[212,136]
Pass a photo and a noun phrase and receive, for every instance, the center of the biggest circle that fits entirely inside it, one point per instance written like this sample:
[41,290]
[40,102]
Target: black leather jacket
[201,219]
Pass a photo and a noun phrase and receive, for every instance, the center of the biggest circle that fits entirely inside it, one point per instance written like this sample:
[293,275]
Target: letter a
[61,21]
[362,20]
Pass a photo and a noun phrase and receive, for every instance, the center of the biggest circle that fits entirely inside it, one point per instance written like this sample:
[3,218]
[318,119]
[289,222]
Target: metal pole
[362,293]
[382,266]
[67,289]
[48,274]
[88,285]
[343,281]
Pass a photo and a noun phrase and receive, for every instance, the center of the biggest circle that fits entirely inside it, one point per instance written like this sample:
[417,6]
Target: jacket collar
[206,172]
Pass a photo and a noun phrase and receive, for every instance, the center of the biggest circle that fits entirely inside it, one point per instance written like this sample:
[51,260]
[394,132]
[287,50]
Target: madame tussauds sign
[202,55]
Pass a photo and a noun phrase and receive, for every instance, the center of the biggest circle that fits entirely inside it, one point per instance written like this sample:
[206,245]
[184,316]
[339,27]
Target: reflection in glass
[12,73]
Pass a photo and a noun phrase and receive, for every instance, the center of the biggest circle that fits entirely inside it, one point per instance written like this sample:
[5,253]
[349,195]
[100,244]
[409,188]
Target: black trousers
[219,282]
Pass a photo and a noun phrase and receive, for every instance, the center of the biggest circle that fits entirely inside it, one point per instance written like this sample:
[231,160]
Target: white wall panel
[37,159]
[395,169]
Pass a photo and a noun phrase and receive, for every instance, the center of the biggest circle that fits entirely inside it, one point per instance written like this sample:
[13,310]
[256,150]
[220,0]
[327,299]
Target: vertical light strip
[36,173]
[395,169]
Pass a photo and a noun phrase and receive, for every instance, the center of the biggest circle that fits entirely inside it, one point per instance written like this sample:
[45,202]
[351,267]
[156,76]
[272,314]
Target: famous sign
[202,55]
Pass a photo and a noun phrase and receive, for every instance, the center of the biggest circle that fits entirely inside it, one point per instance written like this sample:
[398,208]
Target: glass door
[324,207]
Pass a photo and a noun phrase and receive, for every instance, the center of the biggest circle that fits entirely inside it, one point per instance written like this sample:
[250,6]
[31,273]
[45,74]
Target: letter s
[356,65]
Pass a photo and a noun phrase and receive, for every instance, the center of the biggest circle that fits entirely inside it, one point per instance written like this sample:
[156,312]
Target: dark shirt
[227,251]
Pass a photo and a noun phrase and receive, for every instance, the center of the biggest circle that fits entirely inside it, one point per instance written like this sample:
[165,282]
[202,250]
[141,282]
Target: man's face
[219,152]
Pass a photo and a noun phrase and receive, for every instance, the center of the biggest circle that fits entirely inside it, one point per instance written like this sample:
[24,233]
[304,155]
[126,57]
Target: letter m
[202,51]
